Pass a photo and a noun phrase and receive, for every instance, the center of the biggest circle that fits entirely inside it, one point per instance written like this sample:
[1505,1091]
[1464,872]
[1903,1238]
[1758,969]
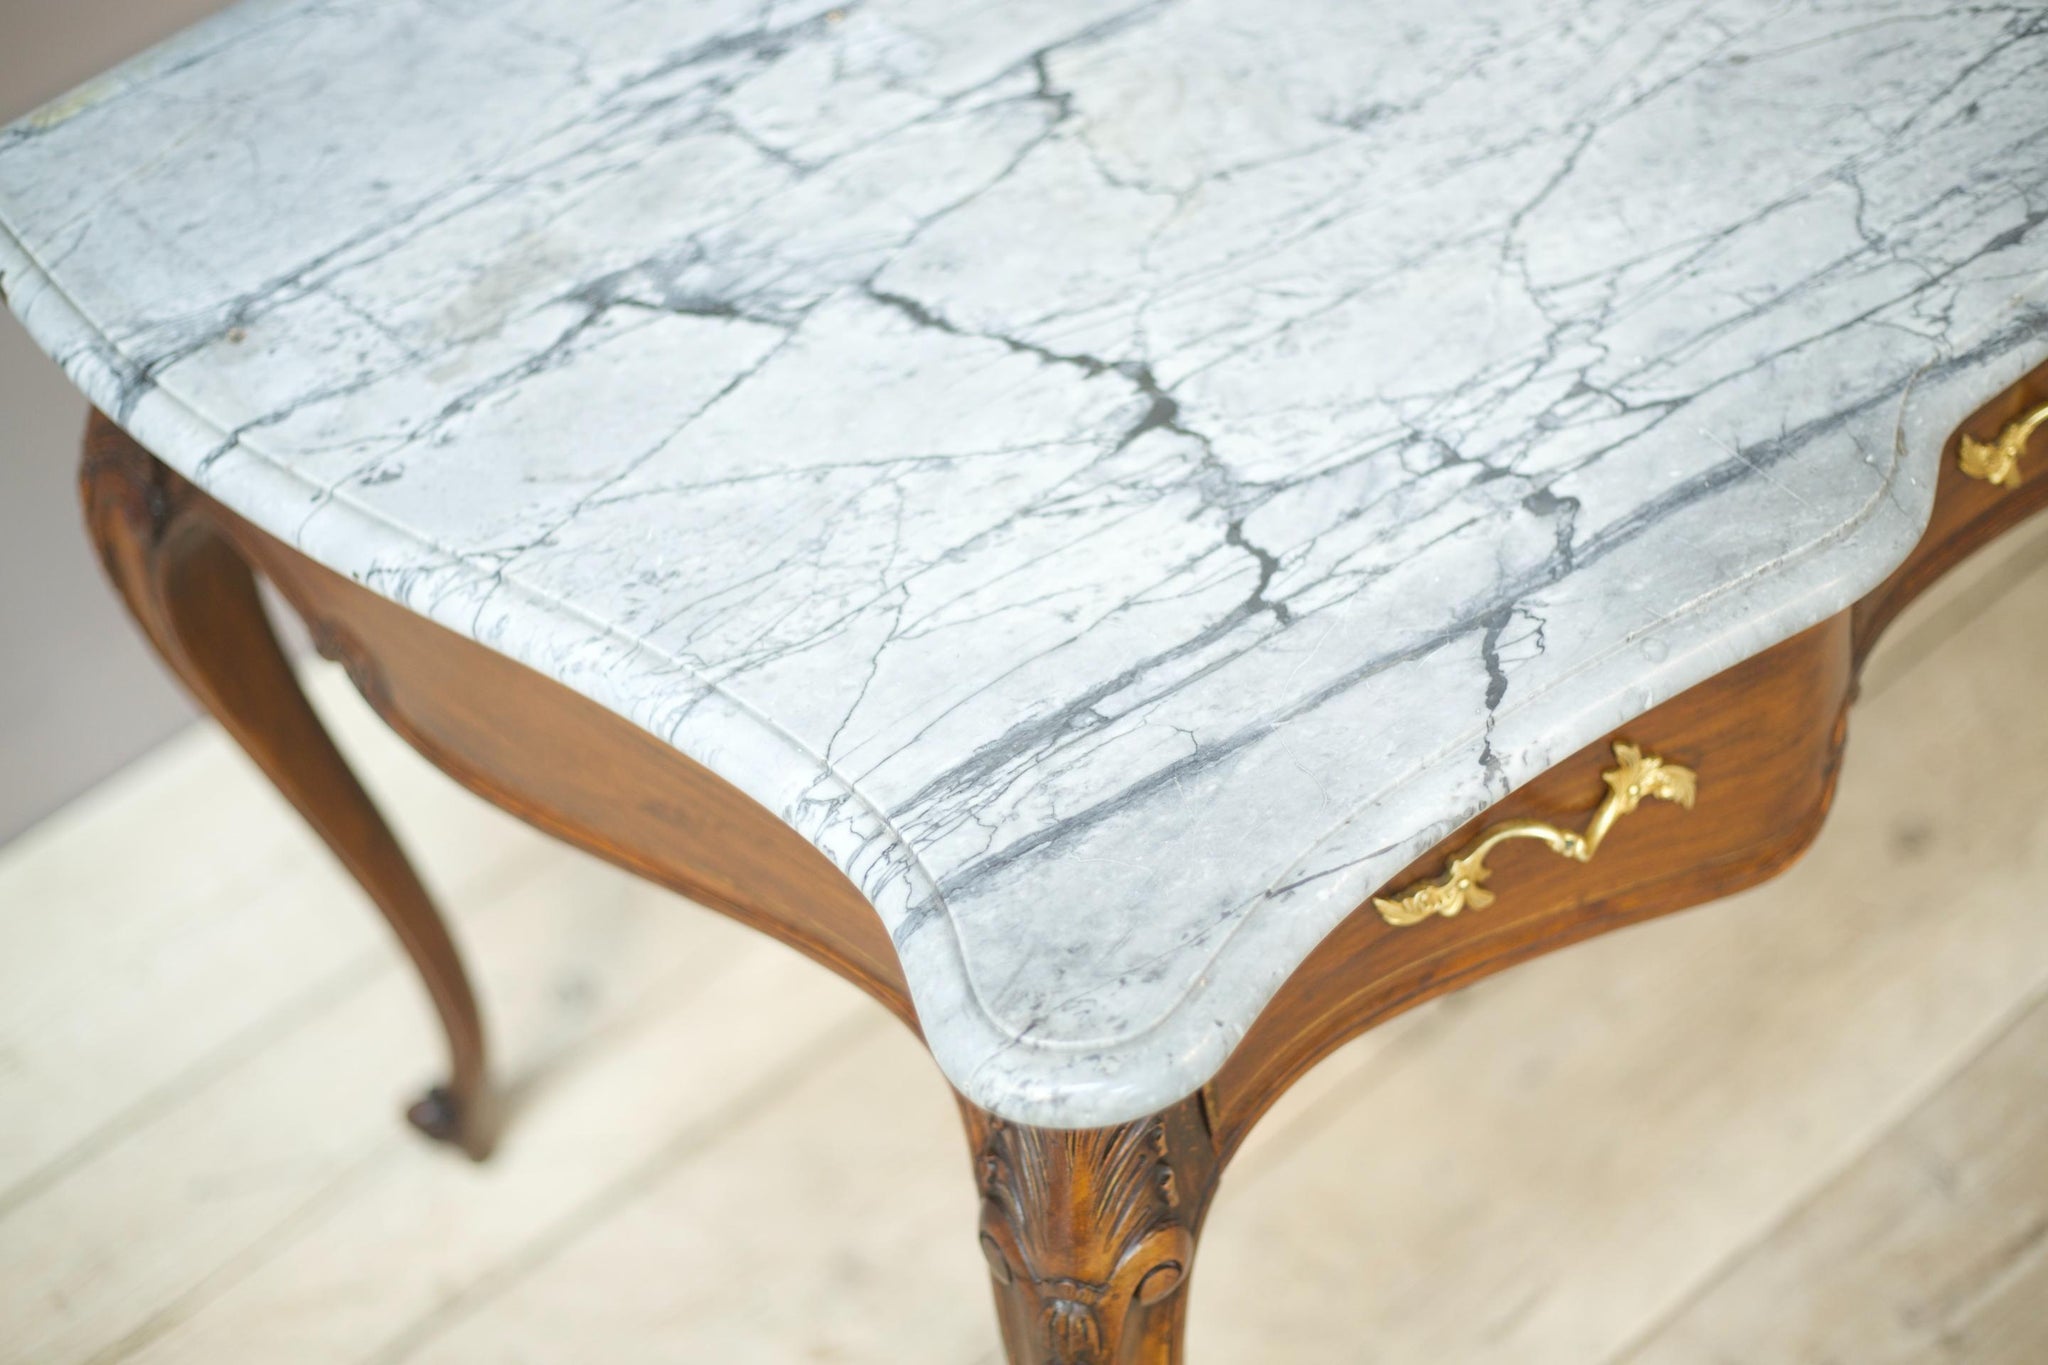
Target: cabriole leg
[195,597]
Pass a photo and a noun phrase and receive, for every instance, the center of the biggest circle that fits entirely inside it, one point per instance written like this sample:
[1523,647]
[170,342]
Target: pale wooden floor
[1807,1125]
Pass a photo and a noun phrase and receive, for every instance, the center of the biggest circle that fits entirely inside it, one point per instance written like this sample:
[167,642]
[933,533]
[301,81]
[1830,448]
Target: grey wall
[80,695]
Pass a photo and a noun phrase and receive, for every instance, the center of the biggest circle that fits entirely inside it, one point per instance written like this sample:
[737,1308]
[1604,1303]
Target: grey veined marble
[1121,481]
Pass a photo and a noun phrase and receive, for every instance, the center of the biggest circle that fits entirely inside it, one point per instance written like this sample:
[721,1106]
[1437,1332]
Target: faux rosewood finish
[1090,1234]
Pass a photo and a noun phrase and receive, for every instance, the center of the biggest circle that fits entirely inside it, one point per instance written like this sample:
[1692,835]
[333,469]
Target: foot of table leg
[1090,1234]
[439,1115]
[195,597]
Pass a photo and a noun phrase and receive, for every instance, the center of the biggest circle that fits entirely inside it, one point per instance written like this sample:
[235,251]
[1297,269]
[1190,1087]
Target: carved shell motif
[1081,1230]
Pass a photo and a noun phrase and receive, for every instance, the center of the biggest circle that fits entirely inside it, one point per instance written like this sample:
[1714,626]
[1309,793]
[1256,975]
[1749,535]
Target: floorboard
[1931,1248]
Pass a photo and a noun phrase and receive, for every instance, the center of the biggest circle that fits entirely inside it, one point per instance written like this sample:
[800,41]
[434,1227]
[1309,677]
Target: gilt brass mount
[1998,461]
[1464,882]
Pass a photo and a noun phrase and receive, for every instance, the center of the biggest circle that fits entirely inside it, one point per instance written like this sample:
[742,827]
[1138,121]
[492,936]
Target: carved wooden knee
[1090,1234]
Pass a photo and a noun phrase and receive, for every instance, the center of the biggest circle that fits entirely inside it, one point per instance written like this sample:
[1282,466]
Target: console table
[1150,539]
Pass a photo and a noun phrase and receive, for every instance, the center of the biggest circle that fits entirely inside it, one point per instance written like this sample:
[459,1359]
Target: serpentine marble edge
[1121,481]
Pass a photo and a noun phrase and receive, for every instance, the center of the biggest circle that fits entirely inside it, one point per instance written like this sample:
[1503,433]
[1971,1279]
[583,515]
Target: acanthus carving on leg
[1090,1234]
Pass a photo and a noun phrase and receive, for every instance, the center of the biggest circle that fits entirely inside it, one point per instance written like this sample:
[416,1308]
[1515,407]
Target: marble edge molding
[1021,1078]
[168,426]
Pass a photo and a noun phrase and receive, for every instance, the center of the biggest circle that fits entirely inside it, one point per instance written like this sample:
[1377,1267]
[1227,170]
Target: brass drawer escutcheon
[1464,882]
[1998,461]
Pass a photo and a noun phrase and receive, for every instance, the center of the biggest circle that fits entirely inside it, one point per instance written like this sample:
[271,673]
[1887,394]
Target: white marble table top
[1120,481]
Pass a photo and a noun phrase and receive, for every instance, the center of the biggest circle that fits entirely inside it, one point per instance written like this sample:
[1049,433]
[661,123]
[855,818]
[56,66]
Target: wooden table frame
[1089,1234]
